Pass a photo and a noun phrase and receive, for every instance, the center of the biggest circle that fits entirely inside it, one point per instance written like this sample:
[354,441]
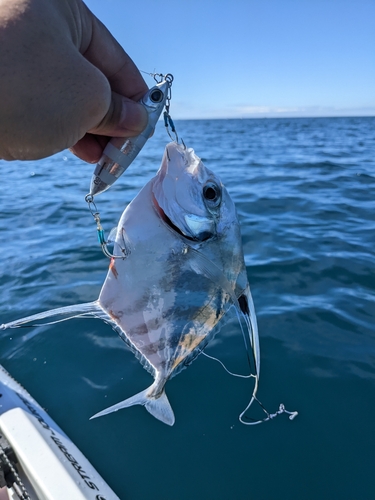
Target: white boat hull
[47,459]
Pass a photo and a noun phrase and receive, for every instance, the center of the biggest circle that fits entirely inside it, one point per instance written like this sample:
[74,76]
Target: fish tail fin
[68,312]
[159,407]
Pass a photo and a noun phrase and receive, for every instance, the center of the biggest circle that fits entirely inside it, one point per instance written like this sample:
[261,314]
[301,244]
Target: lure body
[119,152]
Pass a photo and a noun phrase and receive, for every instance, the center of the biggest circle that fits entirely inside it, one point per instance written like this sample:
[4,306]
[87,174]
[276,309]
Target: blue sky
[254,58]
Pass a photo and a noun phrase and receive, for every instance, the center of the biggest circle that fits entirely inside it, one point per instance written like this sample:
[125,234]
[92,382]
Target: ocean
[304,189]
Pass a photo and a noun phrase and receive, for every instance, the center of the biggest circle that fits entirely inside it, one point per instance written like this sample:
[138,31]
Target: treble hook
[101,237]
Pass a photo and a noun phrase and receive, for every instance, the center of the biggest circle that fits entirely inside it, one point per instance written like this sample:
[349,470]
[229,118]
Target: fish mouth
[164,217]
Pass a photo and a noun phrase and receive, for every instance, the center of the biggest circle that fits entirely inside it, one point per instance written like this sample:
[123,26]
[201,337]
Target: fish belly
[163,308]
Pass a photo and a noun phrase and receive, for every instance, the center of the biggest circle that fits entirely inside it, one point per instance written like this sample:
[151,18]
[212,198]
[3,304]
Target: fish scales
[171,292]
[184,269]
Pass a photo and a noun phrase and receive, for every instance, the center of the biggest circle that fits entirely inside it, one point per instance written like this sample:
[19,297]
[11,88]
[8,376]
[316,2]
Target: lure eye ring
[212,194]
[156,96]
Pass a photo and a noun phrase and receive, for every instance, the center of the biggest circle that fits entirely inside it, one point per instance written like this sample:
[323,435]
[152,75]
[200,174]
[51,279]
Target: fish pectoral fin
[159,407]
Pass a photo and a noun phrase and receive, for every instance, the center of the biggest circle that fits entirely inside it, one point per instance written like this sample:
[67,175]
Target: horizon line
[272,116]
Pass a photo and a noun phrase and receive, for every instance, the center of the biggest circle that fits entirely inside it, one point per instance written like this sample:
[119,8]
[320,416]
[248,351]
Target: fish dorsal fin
[112,236]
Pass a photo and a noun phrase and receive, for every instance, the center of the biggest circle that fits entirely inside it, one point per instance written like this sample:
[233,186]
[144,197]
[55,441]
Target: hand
[65,82]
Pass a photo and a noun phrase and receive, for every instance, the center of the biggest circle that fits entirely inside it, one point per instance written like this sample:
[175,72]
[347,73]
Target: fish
[177,269]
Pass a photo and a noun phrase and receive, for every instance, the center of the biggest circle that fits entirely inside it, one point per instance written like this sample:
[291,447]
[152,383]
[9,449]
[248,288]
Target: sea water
[305,194]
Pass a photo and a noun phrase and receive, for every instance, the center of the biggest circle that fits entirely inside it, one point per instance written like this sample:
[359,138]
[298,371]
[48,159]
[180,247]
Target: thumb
[124,118]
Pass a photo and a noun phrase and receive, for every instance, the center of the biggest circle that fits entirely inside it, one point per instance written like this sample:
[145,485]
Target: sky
[252,58]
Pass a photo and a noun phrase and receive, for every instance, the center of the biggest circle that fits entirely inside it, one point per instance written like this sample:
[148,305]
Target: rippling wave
[304,191]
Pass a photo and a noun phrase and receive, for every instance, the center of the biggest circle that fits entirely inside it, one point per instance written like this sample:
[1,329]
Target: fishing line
[226,369]
[270,416]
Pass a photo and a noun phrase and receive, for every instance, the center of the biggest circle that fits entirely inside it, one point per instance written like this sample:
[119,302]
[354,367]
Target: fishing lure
[119,152]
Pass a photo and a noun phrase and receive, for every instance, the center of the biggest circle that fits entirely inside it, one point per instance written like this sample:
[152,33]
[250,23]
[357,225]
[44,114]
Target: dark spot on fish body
[244,306]
[149,349]
[178,276]
[139,330]
[172,343]
[162,343]
[218,311]
[114,315]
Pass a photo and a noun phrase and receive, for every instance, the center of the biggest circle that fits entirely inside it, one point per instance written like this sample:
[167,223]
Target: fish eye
[212,193]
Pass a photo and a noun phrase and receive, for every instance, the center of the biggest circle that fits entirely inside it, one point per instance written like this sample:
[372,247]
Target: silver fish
[183,269]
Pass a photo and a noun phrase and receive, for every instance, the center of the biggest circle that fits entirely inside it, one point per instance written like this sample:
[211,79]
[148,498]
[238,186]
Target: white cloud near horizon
[181,111]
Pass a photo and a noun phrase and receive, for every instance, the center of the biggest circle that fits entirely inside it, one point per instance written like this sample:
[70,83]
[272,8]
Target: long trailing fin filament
[269,416]
[89,309]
